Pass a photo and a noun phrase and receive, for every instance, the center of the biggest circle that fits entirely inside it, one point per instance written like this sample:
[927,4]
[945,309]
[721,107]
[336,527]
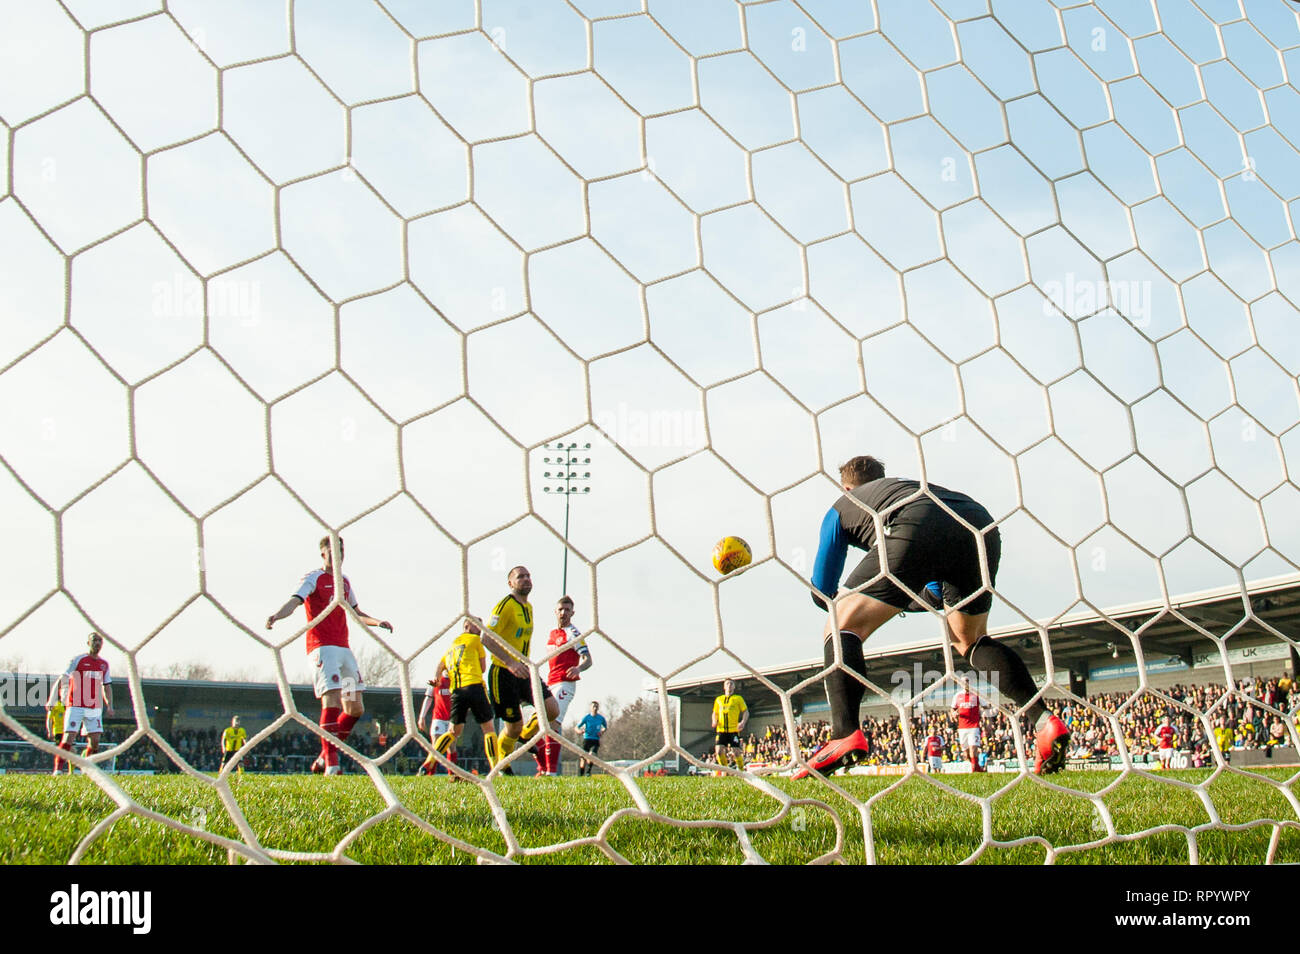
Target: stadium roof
[1088,636]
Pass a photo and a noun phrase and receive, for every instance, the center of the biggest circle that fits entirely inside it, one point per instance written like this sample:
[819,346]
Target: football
[731,553]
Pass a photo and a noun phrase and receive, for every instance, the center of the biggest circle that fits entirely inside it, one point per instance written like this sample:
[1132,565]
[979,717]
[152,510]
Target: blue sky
[266,276]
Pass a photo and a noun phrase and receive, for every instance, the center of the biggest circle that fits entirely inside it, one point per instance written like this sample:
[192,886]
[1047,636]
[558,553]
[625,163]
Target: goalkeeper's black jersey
[881,495]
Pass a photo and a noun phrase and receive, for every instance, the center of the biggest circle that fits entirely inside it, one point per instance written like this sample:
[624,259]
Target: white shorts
[1164,754]
[969,738]
[936,763]
[336,668]
[440,728]
[89,721]
[564,693]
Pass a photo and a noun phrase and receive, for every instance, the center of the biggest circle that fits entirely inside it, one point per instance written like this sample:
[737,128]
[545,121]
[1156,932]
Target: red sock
[544,754]
[329,721]
[346,722]
[553,756]
[58,760]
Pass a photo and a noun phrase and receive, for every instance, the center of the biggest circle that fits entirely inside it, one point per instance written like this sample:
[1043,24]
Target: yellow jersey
[232,739]
[465,661]
[512,620]
[55,718]
[728,710]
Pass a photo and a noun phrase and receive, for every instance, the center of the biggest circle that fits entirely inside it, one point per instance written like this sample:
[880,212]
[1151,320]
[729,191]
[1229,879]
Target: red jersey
[316,591]
[967,706]
[1166,736]
[934,746]
[441,694]
[87,676]
[560,665]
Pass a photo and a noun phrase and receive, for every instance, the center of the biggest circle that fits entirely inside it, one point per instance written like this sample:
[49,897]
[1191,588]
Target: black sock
[845,691]
[1000,666]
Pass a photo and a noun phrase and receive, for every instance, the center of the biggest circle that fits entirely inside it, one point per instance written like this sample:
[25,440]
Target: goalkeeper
[922,542]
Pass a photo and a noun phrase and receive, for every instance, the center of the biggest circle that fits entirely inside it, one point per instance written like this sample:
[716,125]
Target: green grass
[43,819]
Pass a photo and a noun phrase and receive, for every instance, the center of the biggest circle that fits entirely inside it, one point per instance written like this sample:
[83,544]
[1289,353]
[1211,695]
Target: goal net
[279,272]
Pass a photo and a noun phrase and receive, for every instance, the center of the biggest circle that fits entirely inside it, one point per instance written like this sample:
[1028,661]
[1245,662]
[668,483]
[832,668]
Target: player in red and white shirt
[567,665]
[437,699]
[1164,737]
[966,708]
[87,690]
[933,749]
[562,677]
[338,682]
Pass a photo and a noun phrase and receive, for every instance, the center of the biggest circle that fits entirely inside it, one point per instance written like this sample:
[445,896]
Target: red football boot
[1052,742]
[835,753]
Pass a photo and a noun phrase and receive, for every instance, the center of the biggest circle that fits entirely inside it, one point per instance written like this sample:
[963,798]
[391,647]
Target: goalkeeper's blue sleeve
[832,547]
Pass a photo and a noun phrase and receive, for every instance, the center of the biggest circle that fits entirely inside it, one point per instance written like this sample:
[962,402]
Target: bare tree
[191,670]
[246,674]
[379,667]
[197,671]
[634,731]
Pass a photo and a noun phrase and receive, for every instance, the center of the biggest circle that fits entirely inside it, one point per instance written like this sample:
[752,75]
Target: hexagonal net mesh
[273,273]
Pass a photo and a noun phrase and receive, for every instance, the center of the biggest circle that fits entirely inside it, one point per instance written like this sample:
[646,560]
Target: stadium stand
[190,715]
[1240,727]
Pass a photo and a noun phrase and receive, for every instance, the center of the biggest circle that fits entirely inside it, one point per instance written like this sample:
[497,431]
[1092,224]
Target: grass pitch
[42,819]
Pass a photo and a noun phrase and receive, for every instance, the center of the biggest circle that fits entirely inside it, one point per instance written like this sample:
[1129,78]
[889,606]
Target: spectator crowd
[1236,722]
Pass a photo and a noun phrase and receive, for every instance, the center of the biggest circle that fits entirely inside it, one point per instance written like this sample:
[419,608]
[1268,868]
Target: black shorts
[591,745]
[926,544]
[472,700]
[725,738]
[510,694]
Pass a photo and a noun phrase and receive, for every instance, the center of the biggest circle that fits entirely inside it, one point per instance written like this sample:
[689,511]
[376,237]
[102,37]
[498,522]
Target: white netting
[273,272]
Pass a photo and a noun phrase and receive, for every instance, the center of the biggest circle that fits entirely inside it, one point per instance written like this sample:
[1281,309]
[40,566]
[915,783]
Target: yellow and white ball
[731,553]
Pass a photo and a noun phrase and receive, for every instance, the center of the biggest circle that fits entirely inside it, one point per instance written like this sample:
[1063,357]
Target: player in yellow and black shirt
[730,714]
[54,719]
[54,714]
[463,664]
[509,686]
[232,740]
